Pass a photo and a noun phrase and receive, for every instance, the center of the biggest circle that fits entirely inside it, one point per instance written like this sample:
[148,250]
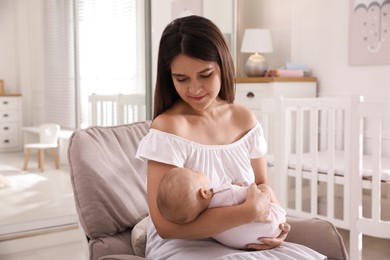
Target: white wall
[320,40]
[270,14]
[311,32]
[162,15]
[22,55]
[8,48]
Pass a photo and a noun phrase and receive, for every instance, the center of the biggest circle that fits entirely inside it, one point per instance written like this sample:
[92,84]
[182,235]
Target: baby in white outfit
[184,193]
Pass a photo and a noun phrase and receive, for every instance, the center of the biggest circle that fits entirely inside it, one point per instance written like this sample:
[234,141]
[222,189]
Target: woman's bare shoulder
[243,116]
[164,122]
[170,121]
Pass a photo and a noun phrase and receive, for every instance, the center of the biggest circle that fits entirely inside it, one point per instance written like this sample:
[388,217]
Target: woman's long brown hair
[196,37]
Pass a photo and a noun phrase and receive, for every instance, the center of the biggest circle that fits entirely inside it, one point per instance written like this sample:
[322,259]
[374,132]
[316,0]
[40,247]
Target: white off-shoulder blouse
[226,163]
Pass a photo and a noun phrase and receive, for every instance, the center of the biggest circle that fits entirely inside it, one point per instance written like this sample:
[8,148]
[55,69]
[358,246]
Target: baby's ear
[205,193]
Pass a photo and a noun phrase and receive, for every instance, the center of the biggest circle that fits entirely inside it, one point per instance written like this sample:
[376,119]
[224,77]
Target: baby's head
[182,195]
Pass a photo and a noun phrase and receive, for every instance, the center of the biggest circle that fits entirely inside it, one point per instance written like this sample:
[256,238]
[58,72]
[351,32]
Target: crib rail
[376,114]
[311,126]
[333,160]
[109,110]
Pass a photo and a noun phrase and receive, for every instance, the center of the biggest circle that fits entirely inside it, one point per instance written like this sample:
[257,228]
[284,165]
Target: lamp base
[255,66]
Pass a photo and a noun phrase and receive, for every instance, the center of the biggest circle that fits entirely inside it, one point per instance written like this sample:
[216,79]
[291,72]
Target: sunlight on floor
[35,197]
[8,168]
[24,181]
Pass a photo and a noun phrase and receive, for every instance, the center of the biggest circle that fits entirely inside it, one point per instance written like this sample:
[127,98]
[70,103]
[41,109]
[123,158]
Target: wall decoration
[180,8]
[369,32]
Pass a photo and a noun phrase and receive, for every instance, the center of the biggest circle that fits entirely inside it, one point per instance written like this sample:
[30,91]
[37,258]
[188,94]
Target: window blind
[60,98]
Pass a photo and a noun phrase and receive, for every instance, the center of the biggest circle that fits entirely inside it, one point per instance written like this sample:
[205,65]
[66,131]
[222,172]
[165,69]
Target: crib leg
[387,191]
[355,244]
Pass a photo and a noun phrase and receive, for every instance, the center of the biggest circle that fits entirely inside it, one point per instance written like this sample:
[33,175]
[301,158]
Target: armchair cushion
[109,185]
[121,257]
[111,245]
[319,235]
[138,237]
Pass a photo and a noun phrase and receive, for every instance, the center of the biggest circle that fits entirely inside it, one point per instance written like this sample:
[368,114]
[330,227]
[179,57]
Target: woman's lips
[197,97]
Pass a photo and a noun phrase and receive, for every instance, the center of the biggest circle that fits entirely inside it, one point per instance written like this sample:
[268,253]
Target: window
[111,52]
[93,47]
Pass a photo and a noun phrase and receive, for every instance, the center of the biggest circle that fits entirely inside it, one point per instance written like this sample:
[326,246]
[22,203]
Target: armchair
[109,186]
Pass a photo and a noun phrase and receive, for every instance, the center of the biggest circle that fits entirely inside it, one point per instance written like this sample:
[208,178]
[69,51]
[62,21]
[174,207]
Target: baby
[184,193]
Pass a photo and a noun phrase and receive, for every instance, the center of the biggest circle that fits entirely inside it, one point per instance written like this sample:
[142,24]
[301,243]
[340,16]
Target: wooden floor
[373,248]
[32,200]
[70,251]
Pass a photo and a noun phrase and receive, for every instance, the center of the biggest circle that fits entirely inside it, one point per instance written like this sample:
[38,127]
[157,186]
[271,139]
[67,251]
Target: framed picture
[369,32]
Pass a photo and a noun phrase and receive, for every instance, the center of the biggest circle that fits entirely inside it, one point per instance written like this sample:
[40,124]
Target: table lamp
[256,41]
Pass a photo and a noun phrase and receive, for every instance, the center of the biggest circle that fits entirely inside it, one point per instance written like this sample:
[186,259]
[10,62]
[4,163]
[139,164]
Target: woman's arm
[209,223]
[259,166]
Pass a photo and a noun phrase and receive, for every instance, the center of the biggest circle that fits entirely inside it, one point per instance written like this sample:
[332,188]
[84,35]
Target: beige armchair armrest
[319,235]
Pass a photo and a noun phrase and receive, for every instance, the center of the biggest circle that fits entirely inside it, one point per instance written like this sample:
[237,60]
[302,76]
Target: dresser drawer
[8,103]
[9,140]
[8,128]
[251,97]
[10,122]
[9,116]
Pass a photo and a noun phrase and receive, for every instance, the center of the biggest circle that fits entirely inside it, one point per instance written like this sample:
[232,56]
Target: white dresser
[254,92]
[10,123]
[250,91]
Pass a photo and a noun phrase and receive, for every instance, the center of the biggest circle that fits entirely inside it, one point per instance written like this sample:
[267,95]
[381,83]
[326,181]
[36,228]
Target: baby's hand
[260,203]
[268,190]
[265,188]
[269,243]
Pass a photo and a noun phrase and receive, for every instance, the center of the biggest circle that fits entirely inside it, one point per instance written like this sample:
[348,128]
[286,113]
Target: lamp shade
[256,40]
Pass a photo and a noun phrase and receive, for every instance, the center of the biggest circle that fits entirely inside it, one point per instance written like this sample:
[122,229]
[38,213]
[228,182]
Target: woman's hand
[259,202]
[269,243]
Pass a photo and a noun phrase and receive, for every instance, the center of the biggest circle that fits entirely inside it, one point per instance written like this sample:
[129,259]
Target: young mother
[197,125]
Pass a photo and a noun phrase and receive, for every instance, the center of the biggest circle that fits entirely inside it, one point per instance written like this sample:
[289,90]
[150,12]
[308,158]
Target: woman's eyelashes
[184,79]
[181,79]
[206,75]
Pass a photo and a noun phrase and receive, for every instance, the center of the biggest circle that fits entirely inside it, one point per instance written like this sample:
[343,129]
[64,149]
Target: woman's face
[196,81]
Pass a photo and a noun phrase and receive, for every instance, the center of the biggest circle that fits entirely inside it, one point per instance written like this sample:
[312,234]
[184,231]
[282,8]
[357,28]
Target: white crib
[109,110]
[332,162]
